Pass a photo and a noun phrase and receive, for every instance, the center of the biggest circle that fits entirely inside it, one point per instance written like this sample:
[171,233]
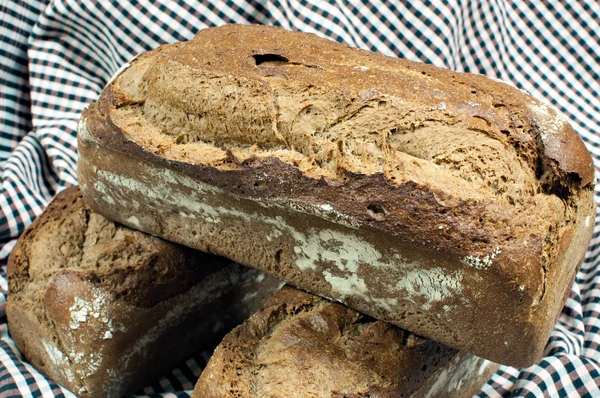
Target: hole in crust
[558,189]
[376,211]
[277,256]
[260,59]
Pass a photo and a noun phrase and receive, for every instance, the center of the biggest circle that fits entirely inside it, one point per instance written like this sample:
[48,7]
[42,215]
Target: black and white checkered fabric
[56,56]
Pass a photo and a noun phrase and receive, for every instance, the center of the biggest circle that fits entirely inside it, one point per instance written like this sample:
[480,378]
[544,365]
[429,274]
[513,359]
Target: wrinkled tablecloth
[56,56]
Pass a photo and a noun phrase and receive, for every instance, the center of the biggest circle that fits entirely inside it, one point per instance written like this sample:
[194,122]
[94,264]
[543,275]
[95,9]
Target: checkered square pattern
[56,56]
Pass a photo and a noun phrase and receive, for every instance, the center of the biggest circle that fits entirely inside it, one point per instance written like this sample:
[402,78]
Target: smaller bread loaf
[300,345]
[103,310]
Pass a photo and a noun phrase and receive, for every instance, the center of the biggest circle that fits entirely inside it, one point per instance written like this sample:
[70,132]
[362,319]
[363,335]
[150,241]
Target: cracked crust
[484,188]
[103,309]
[300,345]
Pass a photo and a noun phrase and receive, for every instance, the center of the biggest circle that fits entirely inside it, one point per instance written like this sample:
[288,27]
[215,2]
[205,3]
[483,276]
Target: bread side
[473,199]
[463,376]
[300,345]
[103,310]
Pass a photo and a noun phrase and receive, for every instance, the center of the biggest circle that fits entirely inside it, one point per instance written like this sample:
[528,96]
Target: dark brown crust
[525,284]
[470,226]
[568,150]
[282,181]
[402,360]
[138,315]
[170,270]
[463,376]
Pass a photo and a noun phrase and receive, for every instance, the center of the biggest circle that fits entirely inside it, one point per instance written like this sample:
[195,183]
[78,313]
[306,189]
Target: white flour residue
[388,304]
[59,359]
[549,119]
[431,284]
[83,132]
[93,314]
[473,104]
[133,220]
[326,207]
[82,311]
[325,211]
[347,285]
[99,186]
[90,364]
[275,233]
[202,208]
[450,378]
[345,251]
[482,263]
[79,313]
[117,73]
[54,353]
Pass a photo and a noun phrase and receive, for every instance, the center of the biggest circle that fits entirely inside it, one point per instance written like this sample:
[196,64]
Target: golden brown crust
[453,176]
[262,57]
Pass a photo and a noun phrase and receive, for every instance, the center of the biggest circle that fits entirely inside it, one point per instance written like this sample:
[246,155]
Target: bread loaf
[104,310]
[449,204]
[300,345]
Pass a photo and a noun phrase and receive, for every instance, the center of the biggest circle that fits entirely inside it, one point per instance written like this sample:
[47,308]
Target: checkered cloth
[56,56]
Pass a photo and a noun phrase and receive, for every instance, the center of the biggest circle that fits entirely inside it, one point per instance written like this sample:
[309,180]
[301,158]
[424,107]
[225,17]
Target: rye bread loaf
[104,310]
[300,345]
[449,204]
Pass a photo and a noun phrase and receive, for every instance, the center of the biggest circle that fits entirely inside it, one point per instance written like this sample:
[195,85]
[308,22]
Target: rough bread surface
[103,309]
[450,204]
[300,345]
